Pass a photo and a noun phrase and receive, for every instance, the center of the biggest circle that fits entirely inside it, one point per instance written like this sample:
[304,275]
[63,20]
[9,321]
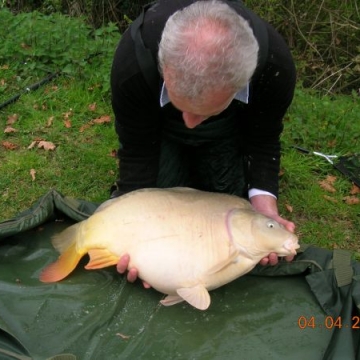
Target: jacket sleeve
[271,95]
[137,121]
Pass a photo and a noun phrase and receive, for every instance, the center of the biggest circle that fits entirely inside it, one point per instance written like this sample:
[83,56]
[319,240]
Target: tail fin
[65,243]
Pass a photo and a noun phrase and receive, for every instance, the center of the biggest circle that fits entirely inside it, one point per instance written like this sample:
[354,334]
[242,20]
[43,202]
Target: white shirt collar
[242,95]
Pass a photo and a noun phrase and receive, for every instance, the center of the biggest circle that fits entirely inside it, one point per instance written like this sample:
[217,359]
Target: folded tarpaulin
[306,309]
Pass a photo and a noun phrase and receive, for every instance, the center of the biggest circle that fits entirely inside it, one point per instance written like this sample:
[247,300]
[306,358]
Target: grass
[322,218]
[327,216]
[83,164]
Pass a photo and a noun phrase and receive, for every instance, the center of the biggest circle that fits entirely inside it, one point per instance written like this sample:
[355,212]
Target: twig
[331,75]
[328,92]
[299,30]
[316,18]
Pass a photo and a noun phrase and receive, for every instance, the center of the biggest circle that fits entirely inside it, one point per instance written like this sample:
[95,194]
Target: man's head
[207,53]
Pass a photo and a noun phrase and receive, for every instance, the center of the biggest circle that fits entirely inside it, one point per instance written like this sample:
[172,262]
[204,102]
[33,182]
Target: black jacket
[139,118]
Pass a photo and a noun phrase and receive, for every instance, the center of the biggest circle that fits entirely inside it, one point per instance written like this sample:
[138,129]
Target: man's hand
[267,205]
[132,274]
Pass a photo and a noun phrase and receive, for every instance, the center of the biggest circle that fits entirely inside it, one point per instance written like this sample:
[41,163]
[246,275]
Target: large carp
[183,242]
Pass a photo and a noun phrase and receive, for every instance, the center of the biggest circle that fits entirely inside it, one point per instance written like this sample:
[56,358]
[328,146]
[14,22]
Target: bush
[38,44]
[322,35]
[324,38]
[97,12]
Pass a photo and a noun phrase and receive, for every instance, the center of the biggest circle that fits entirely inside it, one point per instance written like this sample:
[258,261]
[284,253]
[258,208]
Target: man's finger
[289,258]
[273,259]
[132,275]
[123,263]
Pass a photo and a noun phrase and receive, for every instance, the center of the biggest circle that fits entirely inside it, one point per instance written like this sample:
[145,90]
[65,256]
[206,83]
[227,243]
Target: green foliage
[323,36]
[34,44]
[330,125]
[97,13]
[324,123]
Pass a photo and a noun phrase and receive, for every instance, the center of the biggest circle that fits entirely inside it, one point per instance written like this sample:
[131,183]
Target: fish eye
[271,225]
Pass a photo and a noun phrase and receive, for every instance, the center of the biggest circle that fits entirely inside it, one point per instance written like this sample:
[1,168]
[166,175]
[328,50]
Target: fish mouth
[291,245]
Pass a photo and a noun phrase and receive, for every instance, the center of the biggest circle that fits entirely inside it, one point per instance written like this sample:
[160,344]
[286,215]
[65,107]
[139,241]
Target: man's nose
[192,120]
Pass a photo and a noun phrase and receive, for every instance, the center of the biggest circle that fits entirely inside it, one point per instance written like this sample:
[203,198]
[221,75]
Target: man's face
[194,114]
[213,104]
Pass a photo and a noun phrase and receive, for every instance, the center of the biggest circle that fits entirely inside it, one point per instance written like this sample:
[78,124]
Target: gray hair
[207,46]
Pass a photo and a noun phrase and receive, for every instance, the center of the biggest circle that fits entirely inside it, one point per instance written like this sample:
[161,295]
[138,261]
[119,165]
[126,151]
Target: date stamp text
[328,322]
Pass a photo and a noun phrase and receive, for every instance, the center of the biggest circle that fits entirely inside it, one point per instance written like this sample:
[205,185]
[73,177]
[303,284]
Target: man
[213,117]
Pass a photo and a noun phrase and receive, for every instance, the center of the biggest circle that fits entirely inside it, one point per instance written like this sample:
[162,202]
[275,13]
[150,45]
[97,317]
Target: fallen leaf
[11,119]
[32,144]
[354,190]
[50,121]
[351,200]
[289,208]
[67,114]
[332,143]
[329,198]
[331,179]
[113,153]
[324,184]
[8,145]
[9,129]
[101,120]
[84,127]
[92,107]
[94,87]
[4,67]
[2,82]
[32,173]
[67,123]
[25,46]
[46,145]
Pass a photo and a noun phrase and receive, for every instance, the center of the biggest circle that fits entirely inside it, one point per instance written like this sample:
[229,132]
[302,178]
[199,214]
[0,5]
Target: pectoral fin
[223,264]
[100,258]
[197,296]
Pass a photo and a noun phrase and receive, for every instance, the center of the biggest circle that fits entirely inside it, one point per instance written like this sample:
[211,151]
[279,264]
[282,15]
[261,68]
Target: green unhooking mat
[306,309]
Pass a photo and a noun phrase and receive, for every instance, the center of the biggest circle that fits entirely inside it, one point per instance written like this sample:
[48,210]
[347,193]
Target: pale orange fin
[171,300]
[197,296]
[100,258]
[64,265]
